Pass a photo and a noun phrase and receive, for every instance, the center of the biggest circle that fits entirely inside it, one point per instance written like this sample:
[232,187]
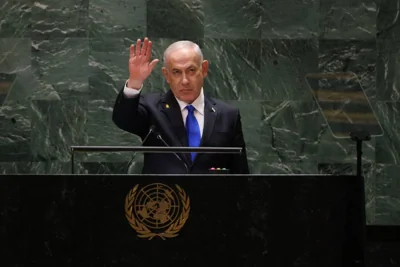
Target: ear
[204,68]
[165,73]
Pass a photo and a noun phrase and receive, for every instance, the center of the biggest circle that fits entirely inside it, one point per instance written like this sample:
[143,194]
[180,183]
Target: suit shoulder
[225,106]
[151,97]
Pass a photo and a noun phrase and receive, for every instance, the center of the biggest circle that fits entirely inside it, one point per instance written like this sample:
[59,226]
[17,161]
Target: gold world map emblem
[157,210]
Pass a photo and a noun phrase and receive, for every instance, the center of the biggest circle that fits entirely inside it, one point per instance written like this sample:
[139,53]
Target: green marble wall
[63,62]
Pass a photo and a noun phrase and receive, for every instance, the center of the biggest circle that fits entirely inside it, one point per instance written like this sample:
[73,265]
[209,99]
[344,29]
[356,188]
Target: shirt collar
[198,103]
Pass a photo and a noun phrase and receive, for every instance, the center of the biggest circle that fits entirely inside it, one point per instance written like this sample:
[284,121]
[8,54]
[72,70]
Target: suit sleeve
[130,114]
[239,164]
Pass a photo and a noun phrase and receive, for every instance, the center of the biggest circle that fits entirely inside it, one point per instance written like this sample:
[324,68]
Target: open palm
[139,66]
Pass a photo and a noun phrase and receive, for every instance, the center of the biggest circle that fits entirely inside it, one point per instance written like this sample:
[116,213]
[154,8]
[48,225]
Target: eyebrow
[191,66]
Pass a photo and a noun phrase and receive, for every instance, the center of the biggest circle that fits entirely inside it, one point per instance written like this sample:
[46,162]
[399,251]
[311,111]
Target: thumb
[153,64]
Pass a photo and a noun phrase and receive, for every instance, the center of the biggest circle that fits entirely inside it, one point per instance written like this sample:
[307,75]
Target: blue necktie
[192,130]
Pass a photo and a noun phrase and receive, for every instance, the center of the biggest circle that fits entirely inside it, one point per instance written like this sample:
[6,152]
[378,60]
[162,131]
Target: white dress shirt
[198,104]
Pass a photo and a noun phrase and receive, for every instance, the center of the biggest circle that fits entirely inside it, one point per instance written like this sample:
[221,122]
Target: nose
[184,79]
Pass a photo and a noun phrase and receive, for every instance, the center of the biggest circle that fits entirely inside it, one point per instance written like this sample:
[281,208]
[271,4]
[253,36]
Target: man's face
[185,74]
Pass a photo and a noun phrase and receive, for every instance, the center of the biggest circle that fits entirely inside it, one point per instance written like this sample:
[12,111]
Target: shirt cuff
[130,92]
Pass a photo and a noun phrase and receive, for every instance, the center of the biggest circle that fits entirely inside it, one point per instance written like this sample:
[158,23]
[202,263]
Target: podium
[178,220]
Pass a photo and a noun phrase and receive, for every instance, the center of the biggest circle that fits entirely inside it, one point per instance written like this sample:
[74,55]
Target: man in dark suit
[184,116]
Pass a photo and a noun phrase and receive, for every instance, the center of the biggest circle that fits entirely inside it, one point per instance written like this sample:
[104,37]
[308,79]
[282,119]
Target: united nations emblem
[157,210]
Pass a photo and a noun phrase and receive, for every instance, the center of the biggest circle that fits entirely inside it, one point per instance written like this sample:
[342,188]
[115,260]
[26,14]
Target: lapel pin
[213,109]
[166,106]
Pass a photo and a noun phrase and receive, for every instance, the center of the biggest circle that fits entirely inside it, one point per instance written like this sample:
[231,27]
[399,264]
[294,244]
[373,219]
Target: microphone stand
[151,130]
[176,155]
[355,247]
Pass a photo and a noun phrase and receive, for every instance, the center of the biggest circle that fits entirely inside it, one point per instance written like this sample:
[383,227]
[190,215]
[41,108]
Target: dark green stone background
[70,60]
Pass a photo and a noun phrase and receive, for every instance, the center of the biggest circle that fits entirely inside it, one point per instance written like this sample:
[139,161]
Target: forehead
[182,58]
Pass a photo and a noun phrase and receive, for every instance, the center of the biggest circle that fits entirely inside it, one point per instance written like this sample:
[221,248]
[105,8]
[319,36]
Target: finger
[153,64]
[137,47]
[144,46]
[131,51]
[148,52]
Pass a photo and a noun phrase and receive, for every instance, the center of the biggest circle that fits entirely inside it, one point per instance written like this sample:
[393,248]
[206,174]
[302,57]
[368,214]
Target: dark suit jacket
[222,128]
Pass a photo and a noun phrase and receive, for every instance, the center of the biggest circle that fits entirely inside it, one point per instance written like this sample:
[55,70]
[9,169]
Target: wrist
[134,84]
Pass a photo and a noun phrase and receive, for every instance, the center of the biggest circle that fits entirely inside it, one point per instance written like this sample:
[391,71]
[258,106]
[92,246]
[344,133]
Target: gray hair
[180,45]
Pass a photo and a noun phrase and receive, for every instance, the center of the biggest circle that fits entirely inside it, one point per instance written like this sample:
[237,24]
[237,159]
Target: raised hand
[139,66]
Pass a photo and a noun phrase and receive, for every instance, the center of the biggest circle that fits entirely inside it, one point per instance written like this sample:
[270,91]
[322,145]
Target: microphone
[158,135]
[151,130]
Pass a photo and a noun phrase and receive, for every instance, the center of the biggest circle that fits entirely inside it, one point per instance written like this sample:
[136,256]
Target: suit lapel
[172,110]
[210,116]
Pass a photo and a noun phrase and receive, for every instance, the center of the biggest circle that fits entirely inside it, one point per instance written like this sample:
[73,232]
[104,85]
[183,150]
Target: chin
[187,98]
